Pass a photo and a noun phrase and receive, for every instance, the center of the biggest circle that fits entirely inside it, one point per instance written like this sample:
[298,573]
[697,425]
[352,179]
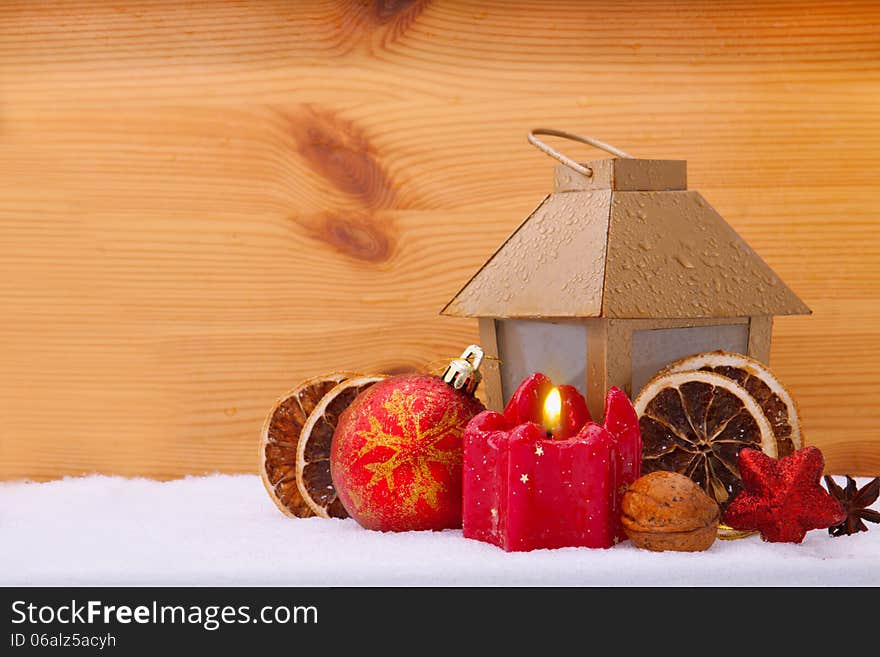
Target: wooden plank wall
[203,202]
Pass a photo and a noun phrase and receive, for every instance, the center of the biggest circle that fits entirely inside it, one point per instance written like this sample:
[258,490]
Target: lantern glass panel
[654,349]
[558,349]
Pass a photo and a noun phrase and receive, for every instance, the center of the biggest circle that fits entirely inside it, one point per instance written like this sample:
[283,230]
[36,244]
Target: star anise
[856,503]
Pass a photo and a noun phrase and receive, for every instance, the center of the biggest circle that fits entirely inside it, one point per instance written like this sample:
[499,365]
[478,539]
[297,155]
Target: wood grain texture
[203,202]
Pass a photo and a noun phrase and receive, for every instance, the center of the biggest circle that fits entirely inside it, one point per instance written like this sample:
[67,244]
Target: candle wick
[549,434]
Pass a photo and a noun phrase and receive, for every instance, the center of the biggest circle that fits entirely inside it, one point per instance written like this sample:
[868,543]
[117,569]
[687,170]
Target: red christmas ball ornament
[397,449]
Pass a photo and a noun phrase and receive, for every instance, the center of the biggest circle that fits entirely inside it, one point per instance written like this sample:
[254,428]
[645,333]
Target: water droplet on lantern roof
[684,261]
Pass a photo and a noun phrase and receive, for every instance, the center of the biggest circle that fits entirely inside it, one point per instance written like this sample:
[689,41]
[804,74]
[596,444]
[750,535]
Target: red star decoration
[782,498]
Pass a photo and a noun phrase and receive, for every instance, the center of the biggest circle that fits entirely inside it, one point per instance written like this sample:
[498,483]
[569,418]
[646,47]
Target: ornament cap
[464,373]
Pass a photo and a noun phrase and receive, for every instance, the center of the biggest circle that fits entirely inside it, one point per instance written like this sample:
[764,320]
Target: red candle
[542,475]
[622,422]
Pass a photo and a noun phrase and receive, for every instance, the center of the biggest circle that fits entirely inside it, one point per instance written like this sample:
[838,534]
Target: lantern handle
[567,161]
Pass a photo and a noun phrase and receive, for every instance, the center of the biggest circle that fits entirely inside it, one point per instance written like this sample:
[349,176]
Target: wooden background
[201,203]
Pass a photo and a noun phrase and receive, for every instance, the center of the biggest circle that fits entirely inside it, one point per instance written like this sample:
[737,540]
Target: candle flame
[552,410]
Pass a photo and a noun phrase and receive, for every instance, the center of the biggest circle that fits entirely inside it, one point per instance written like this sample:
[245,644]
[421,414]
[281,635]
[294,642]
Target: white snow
[224,530]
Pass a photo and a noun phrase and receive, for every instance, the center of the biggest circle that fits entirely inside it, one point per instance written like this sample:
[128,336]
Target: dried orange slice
[695,423]
[776,402]
[281,435]
[313,452]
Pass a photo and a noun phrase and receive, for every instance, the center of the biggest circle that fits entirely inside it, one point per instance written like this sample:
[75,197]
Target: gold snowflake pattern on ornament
[415,449]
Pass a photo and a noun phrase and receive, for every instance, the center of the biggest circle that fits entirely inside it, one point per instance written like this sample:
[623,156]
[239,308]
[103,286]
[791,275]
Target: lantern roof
[628,241]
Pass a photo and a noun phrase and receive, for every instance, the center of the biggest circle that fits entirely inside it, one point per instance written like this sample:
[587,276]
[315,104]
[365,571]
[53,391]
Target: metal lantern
[618,272]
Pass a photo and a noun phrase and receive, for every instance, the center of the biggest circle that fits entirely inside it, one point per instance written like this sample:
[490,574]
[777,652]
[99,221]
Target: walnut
[668,511]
